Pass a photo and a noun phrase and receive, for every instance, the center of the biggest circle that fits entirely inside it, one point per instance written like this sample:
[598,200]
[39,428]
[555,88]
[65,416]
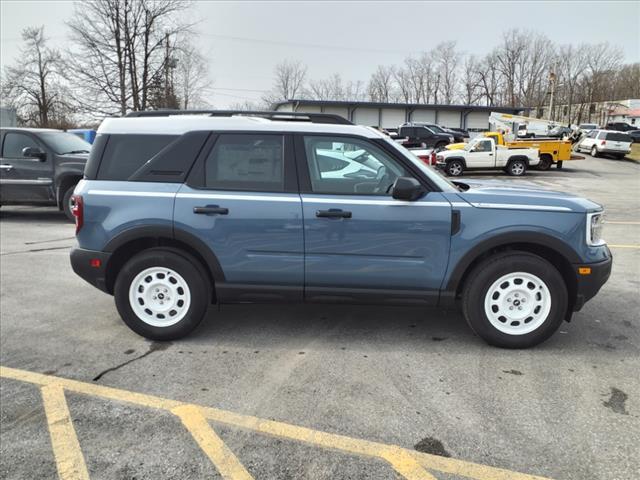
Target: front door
[23,179]
[360,243]
[242,201]
[482,155]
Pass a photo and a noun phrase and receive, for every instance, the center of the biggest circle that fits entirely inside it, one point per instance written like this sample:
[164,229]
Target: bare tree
[35,84]
[447,59]
[381,84]
[471,81]
[402,76]
[124,55]
[289,81]
[193,84]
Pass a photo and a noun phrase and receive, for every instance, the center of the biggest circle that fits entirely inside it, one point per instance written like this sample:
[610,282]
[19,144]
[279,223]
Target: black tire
[483,276]
[545,162]
[177,261]
[517,167]
[594,152]
[455,168]
[66,203]
[559,165]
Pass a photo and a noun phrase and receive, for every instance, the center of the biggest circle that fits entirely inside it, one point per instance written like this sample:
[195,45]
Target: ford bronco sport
[177,212]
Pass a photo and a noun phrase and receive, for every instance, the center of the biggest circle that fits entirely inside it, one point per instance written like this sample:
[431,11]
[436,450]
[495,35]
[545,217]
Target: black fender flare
[169,232]
[504,240]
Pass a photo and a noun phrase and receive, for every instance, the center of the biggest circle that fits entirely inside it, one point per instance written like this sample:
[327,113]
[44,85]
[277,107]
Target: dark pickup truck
[40,166]
[422,136]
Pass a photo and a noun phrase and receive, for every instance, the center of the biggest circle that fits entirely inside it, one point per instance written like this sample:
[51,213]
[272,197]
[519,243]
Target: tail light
[426,159]
[433,158]
[77,210]
[603,142]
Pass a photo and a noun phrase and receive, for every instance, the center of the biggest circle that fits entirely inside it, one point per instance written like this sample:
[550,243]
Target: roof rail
[270,115]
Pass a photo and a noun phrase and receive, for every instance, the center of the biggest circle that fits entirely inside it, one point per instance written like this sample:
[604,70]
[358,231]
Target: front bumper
[95,275]
[589,285]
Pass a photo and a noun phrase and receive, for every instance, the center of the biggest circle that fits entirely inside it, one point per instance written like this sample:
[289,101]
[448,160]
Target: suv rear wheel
[162,294]
[514,300]
[594,151]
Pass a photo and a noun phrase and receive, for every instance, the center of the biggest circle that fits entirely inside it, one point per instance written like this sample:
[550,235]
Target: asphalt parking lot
[398,392]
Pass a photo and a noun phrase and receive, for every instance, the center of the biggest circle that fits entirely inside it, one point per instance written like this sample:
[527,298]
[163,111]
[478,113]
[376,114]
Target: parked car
[619,126]
[587,127]
[635,135]
[607,142]
[457,135]
[40,166]
[483,154]
[179,212]
[424,137]
[560,132]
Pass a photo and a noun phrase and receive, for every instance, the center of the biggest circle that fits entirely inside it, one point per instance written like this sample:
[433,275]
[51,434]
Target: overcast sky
[244,40]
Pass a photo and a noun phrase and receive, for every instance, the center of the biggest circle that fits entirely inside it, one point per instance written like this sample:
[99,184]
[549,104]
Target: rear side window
[618,137]
[124,154]
[246,162]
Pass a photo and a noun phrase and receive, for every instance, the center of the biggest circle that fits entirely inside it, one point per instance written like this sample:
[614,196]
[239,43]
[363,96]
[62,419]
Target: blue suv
[178,212]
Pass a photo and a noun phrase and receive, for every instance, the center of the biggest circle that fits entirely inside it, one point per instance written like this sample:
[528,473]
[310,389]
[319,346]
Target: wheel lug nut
[519,308]
[517,295]
[510,308]
[508,299]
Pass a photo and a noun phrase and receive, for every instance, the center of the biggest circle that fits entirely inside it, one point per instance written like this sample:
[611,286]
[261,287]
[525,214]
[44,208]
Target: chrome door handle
[6,166]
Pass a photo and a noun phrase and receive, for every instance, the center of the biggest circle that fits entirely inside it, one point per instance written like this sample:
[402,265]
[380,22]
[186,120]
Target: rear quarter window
[618,137]
[124,154]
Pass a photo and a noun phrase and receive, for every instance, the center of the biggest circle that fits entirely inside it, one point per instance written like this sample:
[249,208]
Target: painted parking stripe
[410,464]
[211,444]
[623,246]
[66,449]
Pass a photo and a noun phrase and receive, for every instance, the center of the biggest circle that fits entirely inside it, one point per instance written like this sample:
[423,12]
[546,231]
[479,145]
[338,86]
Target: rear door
[242,201]
[24,179]
[360,243]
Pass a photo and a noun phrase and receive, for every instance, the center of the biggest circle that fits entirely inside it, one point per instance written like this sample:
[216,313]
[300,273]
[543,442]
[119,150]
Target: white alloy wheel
[517,303]
[159,296]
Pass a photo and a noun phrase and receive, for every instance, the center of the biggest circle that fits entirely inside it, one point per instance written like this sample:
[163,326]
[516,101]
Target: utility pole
[552,81]
[166,70]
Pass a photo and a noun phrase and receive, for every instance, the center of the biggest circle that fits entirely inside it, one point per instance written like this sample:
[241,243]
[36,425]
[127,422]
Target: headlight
[595,223]
[439,157]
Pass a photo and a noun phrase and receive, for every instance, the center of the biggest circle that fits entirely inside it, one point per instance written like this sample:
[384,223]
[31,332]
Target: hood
[497,195]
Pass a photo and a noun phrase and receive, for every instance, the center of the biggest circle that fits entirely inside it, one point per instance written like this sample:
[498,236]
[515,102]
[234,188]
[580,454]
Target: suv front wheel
[514,300]
[161,294]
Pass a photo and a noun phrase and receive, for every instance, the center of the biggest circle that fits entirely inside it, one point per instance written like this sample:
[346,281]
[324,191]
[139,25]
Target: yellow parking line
[413,465]
[623,246]
[66,449]
[621,223]
[225,461]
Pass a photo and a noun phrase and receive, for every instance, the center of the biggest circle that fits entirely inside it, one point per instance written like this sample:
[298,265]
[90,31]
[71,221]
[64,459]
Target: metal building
[391,115]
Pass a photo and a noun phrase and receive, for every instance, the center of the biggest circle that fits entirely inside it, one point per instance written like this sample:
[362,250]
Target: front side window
[15,142]
[247,162]
[346,166]
[483,146]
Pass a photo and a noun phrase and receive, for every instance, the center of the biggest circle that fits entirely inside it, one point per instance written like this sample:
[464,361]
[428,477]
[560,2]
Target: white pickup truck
[483,154]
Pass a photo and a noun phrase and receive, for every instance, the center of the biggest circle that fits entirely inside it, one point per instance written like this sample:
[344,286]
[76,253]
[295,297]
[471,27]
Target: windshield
[63,142]
[444,184]
[436,129]
[471,145]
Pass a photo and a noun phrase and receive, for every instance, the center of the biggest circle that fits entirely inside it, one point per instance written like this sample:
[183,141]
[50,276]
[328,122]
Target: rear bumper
[614,151]
[95,275]
[589,285]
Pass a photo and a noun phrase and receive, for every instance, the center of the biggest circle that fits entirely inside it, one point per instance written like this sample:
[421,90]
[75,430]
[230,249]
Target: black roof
[416,106]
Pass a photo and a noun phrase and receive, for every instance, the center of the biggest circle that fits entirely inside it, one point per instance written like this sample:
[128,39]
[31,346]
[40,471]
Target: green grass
[635,152]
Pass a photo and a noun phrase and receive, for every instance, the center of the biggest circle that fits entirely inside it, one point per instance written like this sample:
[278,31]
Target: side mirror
[34,152]
[407,188]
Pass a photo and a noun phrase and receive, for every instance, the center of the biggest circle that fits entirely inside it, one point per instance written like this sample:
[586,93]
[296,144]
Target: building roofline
[420,106]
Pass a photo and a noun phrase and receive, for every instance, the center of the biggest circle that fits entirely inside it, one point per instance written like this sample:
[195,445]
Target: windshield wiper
[75,151]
